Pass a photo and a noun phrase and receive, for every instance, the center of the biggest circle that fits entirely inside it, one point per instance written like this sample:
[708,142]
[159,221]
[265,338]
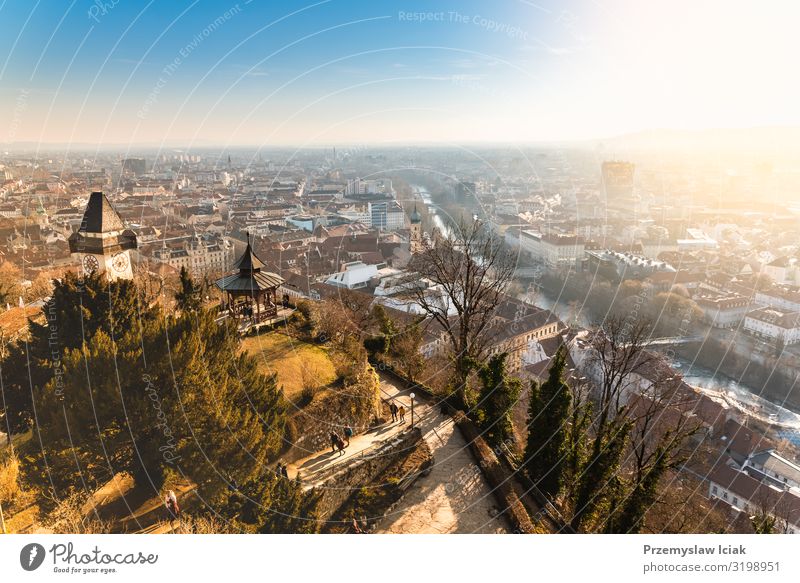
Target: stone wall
[363,471]
[356,404]
[500,479]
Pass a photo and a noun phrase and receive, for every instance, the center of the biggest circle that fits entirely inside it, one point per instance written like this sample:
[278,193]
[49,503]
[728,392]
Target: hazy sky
[342,71]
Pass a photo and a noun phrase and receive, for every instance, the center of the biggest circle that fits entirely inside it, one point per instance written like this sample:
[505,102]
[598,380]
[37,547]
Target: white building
[723,311]
[780,298]
[387,216]
[696,240]
[783,270]
[355,275]
[359,186]
[774,468]
[774,324]
[553,250]
[744,493]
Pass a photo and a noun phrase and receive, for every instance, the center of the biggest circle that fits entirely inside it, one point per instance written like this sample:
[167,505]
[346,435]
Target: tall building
[135,166]
[618,185]
[102,243]
[387,216]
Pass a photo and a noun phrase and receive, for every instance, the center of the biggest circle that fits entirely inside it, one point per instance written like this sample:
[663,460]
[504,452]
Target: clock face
[90,264]
[119,262]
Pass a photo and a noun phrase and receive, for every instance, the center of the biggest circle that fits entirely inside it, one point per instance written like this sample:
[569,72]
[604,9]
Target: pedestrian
[285,471]
[173,510]
[393,410]
[340,445]
[348,433]
[402,412]
[334,441]
[356,528]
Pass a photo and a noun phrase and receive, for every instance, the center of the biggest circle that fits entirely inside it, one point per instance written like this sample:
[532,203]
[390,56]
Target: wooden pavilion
[250,294]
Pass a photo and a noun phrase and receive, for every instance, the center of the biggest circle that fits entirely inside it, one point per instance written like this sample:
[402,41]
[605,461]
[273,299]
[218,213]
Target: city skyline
[319,73]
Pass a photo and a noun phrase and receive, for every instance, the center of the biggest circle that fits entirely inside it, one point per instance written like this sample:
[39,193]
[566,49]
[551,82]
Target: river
[433,210]
[716,385]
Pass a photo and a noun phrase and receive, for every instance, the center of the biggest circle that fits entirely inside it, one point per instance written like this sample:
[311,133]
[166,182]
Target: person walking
[173,510]
[334,441]
[402,412]
[393,410]
[348,433]
[340,445]
[356,527]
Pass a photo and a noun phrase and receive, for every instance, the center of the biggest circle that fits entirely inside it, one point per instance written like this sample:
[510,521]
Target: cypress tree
[188,297]
[548,424]
[499,394]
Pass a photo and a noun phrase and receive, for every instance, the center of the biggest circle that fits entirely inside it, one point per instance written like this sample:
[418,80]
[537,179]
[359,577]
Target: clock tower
[102,244]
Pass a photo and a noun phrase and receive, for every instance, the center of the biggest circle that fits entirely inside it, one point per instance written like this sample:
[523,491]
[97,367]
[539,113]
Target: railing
[366,453]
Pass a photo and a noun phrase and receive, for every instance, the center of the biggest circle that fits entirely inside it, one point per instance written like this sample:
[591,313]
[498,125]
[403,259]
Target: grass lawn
[293,360]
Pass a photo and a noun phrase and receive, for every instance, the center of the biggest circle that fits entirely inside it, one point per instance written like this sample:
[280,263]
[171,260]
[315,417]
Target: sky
[350,71]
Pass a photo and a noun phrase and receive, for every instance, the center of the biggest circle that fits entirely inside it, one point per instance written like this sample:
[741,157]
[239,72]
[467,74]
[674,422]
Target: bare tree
[639,431]
[469,272]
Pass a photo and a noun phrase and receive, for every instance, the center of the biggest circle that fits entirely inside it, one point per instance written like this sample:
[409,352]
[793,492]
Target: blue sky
[369,72]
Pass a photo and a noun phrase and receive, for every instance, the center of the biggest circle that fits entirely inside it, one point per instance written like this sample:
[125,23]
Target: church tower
[416,231]
[102,243]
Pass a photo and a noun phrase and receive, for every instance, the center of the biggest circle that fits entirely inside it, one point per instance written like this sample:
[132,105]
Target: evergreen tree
[499,393]
[547,453]
[120,388]
[601,468]
[189,297]
[643,494]
[763,523]
[77,310]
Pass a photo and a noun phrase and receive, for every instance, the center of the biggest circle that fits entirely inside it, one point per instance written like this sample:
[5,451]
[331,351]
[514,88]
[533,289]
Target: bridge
[673,340]
[529,272]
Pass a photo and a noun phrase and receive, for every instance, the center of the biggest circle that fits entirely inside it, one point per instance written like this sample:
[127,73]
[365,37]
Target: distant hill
[784,139]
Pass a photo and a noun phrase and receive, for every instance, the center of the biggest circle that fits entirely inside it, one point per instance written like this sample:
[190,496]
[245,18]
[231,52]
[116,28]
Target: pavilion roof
[249,261]
[246,282]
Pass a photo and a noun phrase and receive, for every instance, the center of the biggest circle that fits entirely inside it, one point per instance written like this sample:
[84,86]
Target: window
[724,495]
[714,489]
[735,501]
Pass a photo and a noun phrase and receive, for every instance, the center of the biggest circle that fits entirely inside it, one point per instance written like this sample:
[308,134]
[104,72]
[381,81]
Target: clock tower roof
[100,216]
[102,230]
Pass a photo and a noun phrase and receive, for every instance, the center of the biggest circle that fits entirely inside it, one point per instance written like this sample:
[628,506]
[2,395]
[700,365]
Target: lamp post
[412,410]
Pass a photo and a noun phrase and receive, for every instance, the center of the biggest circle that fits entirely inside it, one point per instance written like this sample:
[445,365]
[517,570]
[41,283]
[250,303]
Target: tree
[380,343]
[152,396]
[658,434]
[405,351]
[763,282]
[346,317]
[635,439]
[763,523]
[41,287]
[76,311]
[499,393]
[189,295]
[547,451]
[9,476]
[468,274]
[10,283]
